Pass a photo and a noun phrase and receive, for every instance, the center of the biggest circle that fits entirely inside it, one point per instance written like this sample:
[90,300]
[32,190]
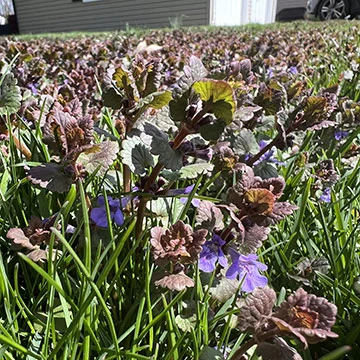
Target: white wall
[240,12]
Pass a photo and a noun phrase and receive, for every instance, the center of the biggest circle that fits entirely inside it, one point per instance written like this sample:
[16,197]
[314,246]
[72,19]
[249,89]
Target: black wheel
[333,9]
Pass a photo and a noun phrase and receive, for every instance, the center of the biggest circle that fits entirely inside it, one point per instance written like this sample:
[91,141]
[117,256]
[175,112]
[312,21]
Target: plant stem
[22,148]
[243,349]
[183,132]
[253,341]
[126,178]
[226,232]
[266,148]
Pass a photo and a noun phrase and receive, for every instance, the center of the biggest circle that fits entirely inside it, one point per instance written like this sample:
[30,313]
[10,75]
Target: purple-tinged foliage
[326,173]
[256,199]
[255,313]
[33,239]
[304,316]
[178,244]
[67,131]
[220,96]
[307,317]
[177,280]
[252,238]
[209,217]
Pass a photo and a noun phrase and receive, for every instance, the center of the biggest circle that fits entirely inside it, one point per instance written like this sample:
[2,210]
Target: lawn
[185,193]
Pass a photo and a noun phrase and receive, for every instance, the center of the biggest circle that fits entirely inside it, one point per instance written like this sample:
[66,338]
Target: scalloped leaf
[186,324]
[220,95]
[100,157]
[172,159]
[165,209]
[253,239]
[186,321]
[209,353]
[208,216]
[195,71]
[112,98]
[258,306]
[156,100]
[260,200]
[122,78]
[10,95]
[178,107]
[265,170]
[245,143]
[212,131]
[192,171]
[224,289]
[51,176]
[136,155]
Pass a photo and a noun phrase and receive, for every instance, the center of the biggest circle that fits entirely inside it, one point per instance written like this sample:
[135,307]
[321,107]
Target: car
[333,9]
[289,14]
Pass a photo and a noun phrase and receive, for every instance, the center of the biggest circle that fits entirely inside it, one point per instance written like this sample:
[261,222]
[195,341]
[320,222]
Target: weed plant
[155,205]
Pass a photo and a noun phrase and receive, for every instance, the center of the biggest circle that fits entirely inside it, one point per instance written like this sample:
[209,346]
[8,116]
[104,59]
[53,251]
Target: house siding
[37,16]
[288,4]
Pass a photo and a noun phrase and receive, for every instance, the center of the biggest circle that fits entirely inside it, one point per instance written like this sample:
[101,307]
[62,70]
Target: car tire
[333,9]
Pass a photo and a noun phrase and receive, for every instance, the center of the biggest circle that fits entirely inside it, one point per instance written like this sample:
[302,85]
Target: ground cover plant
[181,194]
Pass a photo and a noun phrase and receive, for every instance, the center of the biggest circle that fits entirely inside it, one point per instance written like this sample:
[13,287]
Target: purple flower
[33,88]
[293,70]
[212,253]
[185,191]
[339,134]
[204,154]
[224,350]
[268,156]
[246,269]
[270,73]
[326,196]
[98,214]
[126,199]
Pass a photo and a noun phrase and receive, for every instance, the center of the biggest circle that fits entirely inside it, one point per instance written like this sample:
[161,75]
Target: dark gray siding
[36,16]
[288,4]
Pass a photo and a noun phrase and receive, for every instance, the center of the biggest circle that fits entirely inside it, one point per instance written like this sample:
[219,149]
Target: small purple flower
[268,156]
[33,88]
[326,196]
[293,70]
[126,199]
[185,191]
[270,73]
[212,253]
[246,269]
[98,214]
[224,350]
[204,154]
[339,134]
